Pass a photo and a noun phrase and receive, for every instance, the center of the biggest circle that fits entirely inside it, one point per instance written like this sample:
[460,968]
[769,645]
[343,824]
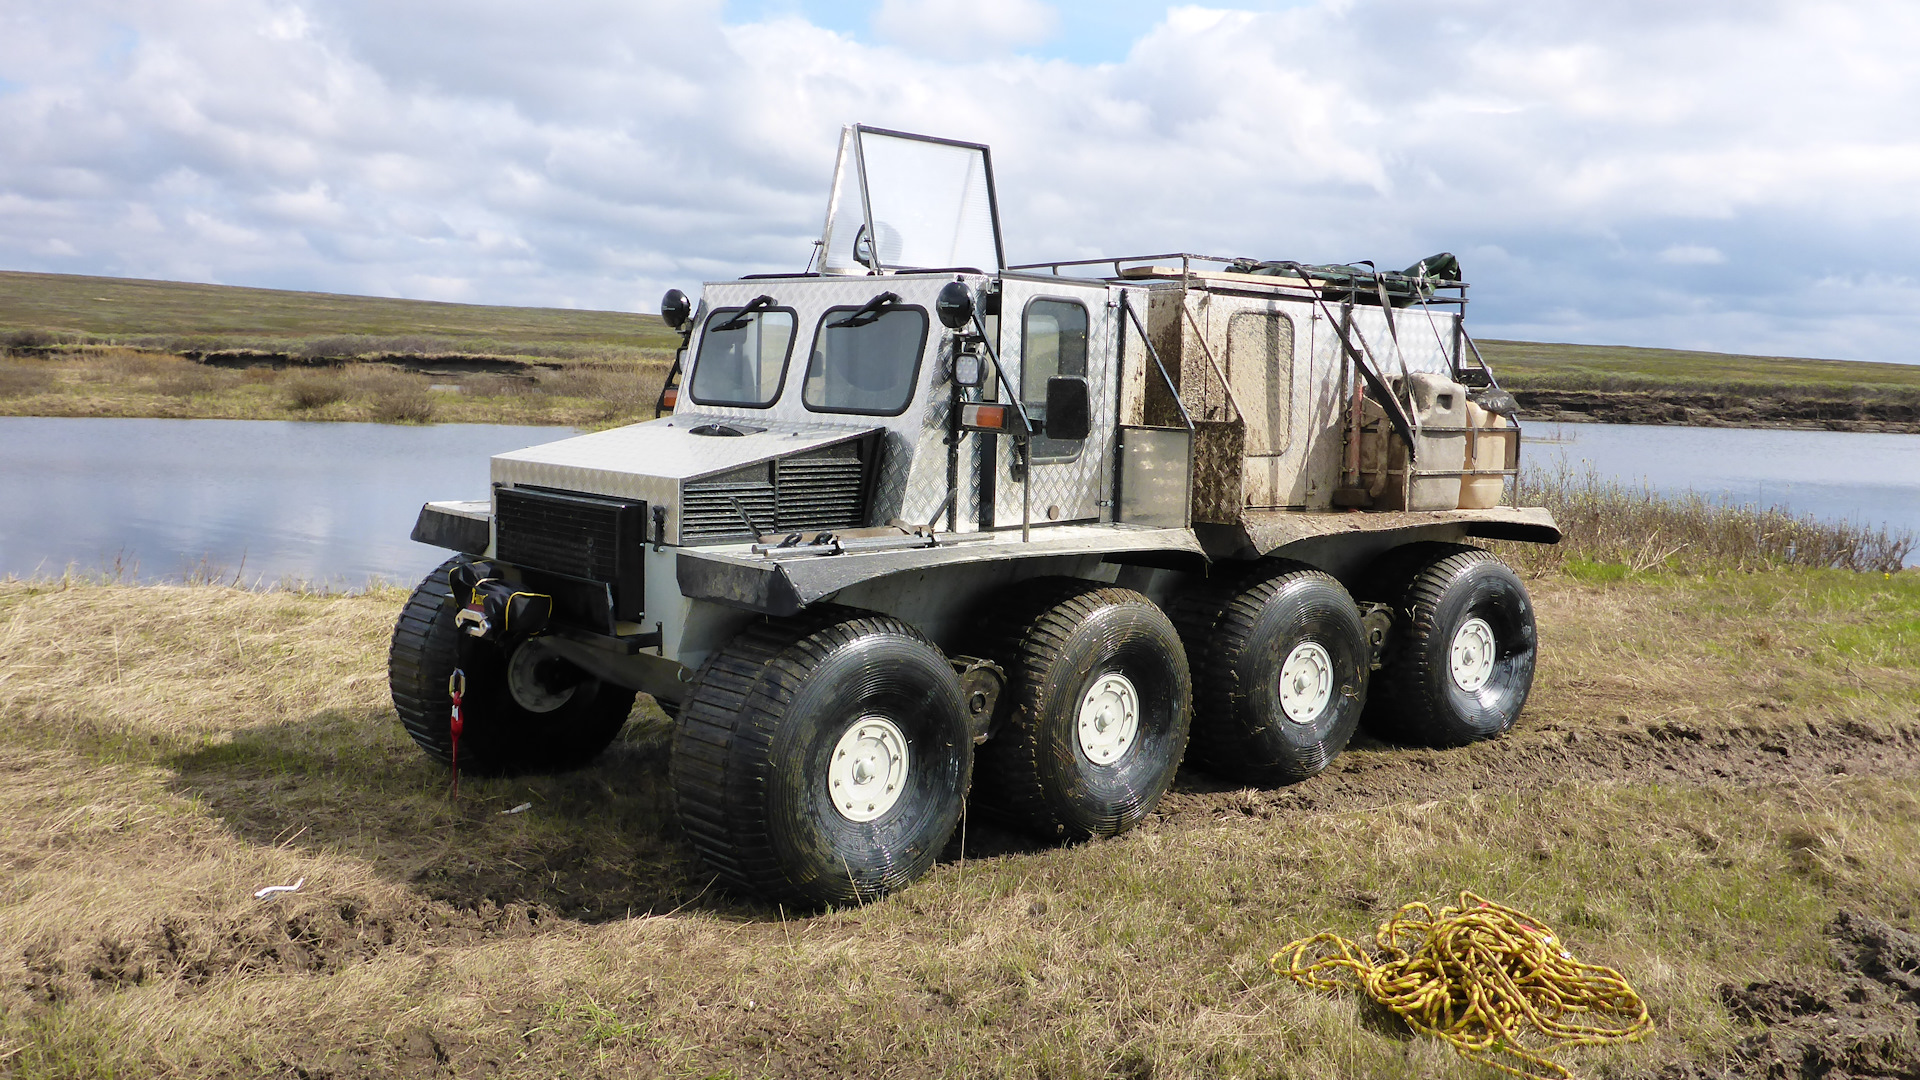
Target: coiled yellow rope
[1479,976]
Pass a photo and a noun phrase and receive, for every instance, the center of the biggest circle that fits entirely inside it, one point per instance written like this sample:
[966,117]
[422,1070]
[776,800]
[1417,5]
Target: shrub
[23,380]
[333,348]
[315,391]
[188,381]
[411,406]
[27,339]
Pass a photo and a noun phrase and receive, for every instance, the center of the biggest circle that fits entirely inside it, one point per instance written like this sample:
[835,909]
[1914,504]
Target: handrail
[1207,350]
[1185,417]
[1395,412]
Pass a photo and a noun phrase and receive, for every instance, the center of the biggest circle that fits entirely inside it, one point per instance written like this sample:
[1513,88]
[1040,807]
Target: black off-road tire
[1057,639]
[1240,633]
[754,746]
[498,736]
[1436,590]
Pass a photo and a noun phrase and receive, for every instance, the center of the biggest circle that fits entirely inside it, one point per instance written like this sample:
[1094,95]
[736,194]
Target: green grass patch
[1528,365]
[43,309]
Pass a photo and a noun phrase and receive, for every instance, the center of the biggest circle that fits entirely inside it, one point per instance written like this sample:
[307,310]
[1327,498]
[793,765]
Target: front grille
[564,534]
[821,489]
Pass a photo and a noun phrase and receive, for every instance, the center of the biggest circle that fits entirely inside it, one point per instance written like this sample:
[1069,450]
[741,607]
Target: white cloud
[598,151]
[964,29]
[1692,255]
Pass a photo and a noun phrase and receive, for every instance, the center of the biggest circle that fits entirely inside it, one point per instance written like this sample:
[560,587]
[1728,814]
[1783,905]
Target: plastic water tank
[1491,436]
[1440,440]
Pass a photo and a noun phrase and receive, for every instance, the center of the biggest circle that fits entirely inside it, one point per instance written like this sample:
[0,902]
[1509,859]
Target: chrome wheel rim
[1470,657]
[1109,721]
[869,769]
[1306,682]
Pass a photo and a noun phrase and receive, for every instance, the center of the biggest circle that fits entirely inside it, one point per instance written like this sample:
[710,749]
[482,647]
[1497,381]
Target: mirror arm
[1000,377]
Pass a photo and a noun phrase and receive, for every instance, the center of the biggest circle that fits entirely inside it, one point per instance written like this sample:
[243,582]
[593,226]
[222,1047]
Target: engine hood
[659,461]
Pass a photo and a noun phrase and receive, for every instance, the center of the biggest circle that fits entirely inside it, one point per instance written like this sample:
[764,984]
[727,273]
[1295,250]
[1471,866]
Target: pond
[332,504]
[252,501]
[1868,479]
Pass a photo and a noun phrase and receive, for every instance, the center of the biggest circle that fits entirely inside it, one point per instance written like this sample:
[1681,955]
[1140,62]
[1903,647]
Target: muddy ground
[1710,773]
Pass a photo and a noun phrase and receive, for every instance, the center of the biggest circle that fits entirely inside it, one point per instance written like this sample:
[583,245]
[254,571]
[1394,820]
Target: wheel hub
[869,769]
[1109,719]
[1306,682]
[530,672]
[1470,659]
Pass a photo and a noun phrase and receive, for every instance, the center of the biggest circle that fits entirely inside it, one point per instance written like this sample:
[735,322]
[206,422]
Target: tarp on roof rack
[1360,283]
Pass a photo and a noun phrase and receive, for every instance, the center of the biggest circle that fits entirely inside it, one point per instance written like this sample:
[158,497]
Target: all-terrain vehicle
[914,526]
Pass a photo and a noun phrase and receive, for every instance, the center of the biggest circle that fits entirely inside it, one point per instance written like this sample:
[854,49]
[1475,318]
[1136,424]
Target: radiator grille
[709,512]
[820,493]
[824,489]
[566,535]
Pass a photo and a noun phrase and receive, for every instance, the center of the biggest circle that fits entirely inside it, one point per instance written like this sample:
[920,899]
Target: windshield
[743,357]
[867,366]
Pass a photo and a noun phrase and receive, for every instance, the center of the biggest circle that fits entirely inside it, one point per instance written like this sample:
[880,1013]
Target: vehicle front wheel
[1459,663]
[525,708]
[1097,708]
[822,759]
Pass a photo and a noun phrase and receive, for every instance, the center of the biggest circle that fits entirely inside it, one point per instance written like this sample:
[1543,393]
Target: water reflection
[263,501]
[1869,479]
[248,499]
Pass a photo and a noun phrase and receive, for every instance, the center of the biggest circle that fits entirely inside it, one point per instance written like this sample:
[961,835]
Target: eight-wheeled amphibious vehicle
[915,526]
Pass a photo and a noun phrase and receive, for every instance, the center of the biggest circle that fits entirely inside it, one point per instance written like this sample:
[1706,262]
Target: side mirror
[1069,414]
[955,305]
[676,310]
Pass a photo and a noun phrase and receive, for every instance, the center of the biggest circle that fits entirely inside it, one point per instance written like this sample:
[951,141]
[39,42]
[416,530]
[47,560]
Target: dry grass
[1636,529]
[166,751]
[130,382]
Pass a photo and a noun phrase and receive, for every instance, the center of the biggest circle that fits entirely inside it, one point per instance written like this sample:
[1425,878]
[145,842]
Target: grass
[45,309]
[1616,529]
[84,346]
[115,381]
[1526,365]
[168,750]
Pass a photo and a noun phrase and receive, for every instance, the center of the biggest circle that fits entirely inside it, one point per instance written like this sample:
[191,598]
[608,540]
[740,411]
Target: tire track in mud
[1373,774]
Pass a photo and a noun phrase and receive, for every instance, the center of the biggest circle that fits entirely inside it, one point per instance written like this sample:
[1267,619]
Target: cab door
[1054,327]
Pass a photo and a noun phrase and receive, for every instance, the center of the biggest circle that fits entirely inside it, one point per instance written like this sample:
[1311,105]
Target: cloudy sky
[1740,175]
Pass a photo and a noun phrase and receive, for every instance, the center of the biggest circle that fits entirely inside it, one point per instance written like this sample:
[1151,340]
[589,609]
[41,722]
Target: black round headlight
[955,305]
[675,309]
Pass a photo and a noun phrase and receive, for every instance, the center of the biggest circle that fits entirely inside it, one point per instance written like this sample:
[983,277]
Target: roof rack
[1344,279]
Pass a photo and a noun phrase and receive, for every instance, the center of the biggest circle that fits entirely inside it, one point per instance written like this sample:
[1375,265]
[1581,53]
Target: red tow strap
[456,689]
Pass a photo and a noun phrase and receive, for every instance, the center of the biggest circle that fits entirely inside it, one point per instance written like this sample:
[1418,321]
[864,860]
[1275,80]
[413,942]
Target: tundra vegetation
[84,346]
[1721,756]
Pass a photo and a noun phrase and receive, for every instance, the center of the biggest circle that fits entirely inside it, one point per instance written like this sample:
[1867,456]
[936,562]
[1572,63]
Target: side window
[869,364]
[743,357]
[1053,341]
[1260,363]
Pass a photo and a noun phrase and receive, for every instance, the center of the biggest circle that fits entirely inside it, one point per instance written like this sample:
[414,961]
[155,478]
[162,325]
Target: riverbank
[1712,769]
[385,387]
[1622,385]
[1797,412]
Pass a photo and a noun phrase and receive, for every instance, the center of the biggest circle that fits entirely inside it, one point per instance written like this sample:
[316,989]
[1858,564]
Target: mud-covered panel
[1270,530]
[783,583]
[1219,454]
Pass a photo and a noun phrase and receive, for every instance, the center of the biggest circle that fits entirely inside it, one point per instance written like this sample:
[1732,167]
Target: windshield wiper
[871,312]
[754,306]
